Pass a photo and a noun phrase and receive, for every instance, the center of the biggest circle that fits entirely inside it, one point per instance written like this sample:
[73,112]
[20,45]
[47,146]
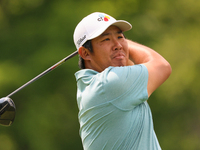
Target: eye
[107,39]
[120,37]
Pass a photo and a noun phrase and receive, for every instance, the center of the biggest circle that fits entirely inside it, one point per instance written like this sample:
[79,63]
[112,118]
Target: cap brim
[121,24]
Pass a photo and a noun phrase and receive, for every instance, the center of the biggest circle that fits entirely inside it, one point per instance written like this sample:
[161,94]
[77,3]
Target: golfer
[117,77]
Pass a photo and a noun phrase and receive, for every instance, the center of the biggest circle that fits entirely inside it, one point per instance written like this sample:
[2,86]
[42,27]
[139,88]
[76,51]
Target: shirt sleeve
[126,87]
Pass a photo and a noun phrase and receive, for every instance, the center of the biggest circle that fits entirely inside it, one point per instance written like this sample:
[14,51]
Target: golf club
[7,106]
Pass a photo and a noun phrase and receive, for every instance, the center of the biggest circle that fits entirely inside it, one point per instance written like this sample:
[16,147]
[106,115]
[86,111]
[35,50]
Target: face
[109,49]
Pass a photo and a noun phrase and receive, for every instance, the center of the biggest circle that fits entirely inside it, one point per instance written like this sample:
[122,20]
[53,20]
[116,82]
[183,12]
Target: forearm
[137,53]
[140,54]
[158,68]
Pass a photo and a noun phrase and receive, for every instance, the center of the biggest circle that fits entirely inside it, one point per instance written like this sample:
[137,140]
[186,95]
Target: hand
[130,63]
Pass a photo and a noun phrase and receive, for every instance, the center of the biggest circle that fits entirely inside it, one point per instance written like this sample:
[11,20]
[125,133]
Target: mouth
[119,56]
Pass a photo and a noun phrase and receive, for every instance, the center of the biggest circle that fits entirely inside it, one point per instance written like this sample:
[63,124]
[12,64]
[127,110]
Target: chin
[119,65]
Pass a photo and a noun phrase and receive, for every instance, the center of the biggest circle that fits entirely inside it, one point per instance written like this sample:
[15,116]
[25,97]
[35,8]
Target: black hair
[88,45]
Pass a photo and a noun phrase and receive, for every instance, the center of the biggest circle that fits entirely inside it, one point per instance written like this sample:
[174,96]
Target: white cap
[94,25]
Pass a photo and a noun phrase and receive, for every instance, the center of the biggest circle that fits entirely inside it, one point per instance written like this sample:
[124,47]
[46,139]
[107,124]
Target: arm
[158,68]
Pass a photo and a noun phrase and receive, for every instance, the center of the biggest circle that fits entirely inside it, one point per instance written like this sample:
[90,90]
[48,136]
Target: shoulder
[113,74]
[128,84]
[122,78]
[123,74]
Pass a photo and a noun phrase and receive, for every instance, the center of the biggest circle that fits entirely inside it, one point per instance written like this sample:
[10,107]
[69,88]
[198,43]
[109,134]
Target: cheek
[100,56]
[125,47]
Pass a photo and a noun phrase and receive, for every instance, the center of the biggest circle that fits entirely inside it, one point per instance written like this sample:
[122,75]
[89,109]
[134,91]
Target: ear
[84,53]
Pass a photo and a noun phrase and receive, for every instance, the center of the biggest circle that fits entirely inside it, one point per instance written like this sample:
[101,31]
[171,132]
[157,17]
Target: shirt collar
[85,73]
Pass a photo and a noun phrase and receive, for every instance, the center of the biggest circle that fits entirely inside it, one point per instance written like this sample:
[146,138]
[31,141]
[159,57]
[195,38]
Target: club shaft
[44,73]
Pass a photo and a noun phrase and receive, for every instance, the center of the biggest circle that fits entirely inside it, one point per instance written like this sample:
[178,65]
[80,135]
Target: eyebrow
[105,34]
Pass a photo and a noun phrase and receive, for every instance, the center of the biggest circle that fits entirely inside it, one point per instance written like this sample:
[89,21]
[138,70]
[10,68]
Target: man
[117,78]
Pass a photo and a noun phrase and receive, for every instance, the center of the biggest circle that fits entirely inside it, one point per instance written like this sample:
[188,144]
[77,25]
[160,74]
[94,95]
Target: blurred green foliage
[35,34]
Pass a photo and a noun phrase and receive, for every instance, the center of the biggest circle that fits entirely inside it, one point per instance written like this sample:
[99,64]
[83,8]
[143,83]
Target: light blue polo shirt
[113,112]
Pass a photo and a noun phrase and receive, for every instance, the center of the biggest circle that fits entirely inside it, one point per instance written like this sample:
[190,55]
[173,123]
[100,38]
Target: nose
[117,45]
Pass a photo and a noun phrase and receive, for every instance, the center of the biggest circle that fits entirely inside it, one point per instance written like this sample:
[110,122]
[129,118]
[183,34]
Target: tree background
[35,34]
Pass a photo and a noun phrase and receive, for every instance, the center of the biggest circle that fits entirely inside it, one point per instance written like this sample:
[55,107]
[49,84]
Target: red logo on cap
[103,17]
